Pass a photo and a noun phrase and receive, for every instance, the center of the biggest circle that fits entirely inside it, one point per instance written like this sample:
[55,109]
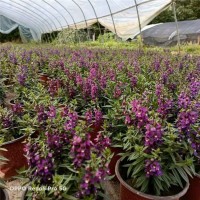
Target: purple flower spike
[153,168]
[52,112]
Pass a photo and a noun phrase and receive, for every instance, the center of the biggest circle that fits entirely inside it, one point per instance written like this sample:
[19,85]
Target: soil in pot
[3,195]
[129,193]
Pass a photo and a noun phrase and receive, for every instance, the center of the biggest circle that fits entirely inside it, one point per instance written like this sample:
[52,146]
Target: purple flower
[103,81]
[89,116]
[120,65]
[183,101]
[65,111]
[94,90]
[117,92]
[157,65]
[159,88]
[141,113]
[98,117]
[93,73]
[13,59]
[6,122]
[89,182]
[21,79]
[17,108]
[164,106]
[165,78]
[70,124]
[128,119]
[41,114]
[153,136]
[52,112]
[80,150]
[101,143]
[194,88]
[186,119]
[133,81]
[79,80]
[43,165]
[45,169]
[56,141]
[53,86]
[152,168]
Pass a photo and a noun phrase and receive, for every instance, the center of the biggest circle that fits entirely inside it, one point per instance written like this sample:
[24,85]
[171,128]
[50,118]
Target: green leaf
[177,177]
[145,185]
[69,197]
[183,174]
[137,169]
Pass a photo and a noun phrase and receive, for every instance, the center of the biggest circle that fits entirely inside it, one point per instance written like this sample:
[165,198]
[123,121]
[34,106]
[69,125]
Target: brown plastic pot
[194,190]
[44,78]
[94,132]
[15,156]
[114,159]
[129,193]
[3,195]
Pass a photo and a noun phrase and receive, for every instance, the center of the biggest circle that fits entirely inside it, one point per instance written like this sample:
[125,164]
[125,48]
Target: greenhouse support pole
[112,19]
[139,22]
[86,24]
[177,29]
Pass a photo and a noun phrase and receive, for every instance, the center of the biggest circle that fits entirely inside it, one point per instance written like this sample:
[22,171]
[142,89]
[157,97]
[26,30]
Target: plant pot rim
[148,196]
[13,141]
[5,193]
[197,175]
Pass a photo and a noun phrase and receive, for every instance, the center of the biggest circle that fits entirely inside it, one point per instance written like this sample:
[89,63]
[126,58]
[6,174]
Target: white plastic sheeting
[119,16]
[8,25]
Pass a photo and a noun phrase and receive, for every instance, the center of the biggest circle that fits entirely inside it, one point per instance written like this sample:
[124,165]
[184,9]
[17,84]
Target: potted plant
[190,111]
[64,161]
[3,192]
[156,162]
[12,138]
[2,93]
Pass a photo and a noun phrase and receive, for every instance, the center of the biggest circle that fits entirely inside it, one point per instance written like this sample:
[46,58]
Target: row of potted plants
[78,106]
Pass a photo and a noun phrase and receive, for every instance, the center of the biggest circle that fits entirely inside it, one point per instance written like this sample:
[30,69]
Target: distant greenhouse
[166,34]
[123,18]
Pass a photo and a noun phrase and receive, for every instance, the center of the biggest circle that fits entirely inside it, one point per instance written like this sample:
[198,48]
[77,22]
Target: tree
[185,10]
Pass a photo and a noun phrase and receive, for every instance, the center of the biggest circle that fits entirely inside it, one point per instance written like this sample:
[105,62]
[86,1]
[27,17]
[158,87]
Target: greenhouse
[99,100]
[165,34]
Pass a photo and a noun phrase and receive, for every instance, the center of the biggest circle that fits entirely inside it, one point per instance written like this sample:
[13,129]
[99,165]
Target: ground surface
[112,190]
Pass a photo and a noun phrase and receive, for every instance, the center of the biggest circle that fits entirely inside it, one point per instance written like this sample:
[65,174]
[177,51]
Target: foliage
[2,161]
[2,93]
[146,101]
[185,9]
[106,37]
[13,36]
[71,36]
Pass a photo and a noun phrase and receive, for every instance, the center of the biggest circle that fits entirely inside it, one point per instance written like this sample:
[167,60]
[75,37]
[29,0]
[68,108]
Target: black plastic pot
[3,195]
[129,193]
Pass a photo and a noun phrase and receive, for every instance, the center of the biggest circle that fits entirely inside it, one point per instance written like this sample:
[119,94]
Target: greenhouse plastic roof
[45,16]
[166,34]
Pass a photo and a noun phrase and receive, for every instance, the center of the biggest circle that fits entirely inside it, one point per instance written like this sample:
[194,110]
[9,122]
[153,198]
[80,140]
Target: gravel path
[13,192]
